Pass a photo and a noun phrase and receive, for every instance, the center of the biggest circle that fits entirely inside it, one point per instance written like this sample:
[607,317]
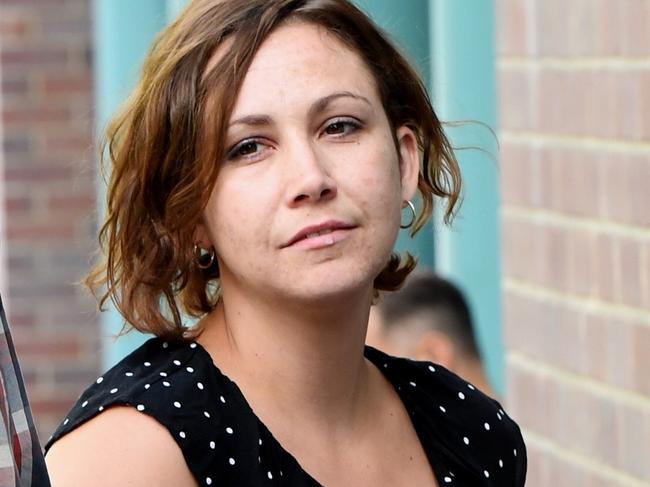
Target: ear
[409,161]
[201,235]
[436,347]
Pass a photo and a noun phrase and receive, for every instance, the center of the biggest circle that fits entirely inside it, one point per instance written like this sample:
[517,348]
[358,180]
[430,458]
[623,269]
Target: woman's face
[307,203]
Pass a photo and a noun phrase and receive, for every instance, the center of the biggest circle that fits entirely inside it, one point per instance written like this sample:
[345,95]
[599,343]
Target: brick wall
[574,105]
[49,196]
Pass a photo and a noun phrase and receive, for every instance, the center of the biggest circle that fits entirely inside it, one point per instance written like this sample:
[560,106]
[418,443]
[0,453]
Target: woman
[258,177]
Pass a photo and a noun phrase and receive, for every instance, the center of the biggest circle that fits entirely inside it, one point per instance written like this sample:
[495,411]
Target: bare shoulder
[120,446]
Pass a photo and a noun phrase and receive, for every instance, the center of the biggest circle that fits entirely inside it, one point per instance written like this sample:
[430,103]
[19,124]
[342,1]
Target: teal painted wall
[463,80]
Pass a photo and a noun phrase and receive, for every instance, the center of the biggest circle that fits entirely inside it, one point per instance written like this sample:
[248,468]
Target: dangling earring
[203,258]
[413,215]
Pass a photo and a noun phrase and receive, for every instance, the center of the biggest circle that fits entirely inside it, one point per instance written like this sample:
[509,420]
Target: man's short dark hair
[440,302]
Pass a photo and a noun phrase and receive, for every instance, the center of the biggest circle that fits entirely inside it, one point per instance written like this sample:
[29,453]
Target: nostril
[326,192]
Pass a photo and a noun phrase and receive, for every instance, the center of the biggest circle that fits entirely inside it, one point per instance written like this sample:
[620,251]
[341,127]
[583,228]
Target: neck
[302,360]
[472,371]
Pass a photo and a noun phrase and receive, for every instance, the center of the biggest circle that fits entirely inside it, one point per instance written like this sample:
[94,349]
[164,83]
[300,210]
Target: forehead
[301,61]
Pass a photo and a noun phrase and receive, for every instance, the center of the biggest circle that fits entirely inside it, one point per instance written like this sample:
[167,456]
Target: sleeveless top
[468,438]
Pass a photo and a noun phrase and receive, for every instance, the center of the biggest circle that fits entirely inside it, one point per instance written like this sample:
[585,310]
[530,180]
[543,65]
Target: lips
[330,227]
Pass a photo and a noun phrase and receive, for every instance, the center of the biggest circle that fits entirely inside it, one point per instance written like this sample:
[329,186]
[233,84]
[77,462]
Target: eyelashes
[253,148]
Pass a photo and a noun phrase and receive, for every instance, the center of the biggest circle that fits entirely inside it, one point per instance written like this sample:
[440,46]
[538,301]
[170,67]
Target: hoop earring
[413,215]
[200,257]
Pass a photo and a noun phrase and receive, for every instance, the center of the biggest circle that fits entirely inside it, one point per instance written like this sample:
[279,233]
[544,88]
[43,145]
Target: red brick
[35,116]
[607,267]
[30,57]
[582,262]
[30,231]
[15,87]
[512,27]
[641,359]
[516,99]
[633,431]
[17,205]
[630,268]
[77,144]
[519,181]
[48,174]
[596,346]
[76,85]
[47,348]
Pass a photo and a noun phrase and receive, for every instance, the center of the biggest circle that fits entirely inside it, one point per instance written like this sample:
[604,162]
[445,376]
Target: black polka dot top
[468,438]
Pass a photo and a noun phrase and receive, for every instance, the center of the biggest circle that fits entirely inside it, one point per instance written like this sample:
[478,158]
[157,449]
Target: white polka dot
[259,442]
[501,412]
[269,475]
[461,395]
[177,362]
[500,463]
[163,374]
[147,386]
[189,369]
[487,426]
[471,387]
[129,374]
[165,345]
[486,473]
[466,440]
[229,430]
[222,399]
[442,408]
[140,407]
[212,445]
[66,421]
[182,434]
[199,385]
[499,416]
[432,368]
[84,404]
[231,461]
[515,451]
[101,408]
[147,364]
[385,366]
[177,404]
[113,390]
[208,481]
[99,380]
[206,414]
[259,459]
[412,383]
[165,383]
[447,480]
[192,345]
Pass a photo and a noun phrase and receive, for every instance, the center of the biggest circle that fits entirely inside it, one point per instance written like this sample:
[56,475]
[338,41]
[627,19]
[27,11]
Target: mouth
[321,235]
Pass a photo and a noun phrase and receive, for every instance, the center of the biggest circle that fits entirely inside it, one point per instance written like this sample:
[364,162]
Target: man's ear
[409,161]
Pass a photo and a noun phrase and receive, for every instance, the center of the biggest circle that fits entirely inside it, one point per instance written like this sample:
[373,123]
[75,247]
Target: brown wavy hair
[162,147]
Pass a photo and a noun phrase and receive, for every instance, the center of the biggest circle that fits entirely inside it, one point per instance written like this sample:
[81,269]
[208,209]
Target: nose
[309,178]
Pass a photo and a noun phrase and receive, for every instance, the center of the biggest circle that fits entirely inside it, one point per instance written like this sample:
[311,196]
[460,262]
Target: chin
[332,283]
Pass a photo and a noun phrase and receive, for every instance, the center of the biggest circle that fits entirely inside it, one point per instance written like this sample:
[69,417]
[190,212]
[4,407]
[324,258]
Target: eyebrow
[316,107]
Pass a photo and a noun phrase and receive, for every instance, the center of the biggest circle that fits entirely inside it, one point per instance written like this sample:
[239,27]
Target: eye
[342,127]
[246,149]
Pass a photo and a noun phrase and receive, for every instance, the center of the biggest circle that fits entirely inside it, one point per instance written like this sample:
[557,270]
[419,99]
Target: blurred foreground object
[21,457]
